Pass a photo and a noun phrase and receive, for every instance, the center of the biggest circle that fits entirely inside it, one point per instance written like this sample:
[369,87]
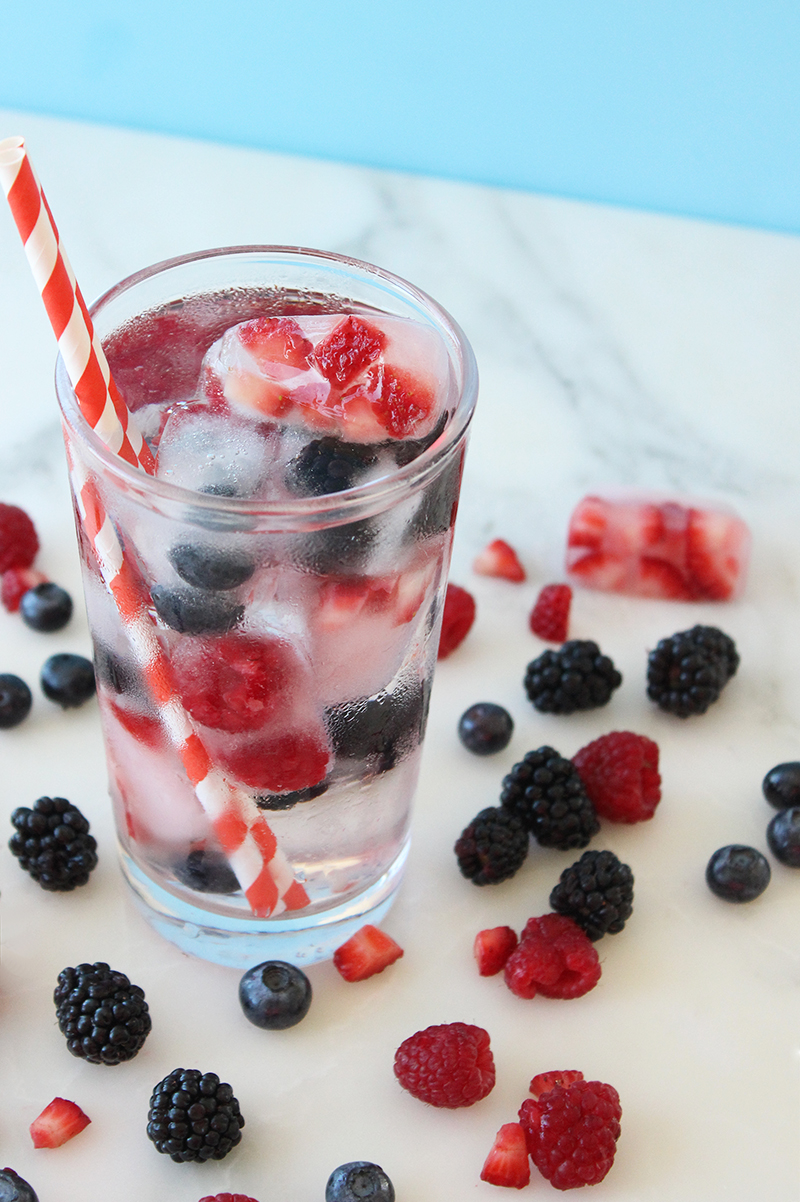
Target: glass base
[242,942]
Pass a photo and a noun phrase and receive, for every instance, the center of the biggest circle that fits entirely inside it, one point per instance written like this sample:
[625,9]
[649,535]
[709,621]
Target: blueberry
[116,673]
[68,679]
[781,785]
[737,873]
[14,1189]
[358,1180]
[485,728]
[193,611]
[783,836]
[208,567]
[46,607]
[207,872]
[15,700]
[379,729]
[285,801]
[275,995]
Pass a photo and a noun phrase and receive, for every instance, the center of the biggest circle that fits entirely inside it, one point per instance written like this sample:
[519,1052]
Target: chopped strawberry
[620,773]
[543,1082]
[717,549]
[227,1198]
[15,582]
[507,1163]
[400,402]
[366,953]
[459,614]
[492,948]
[57,1123]
[342,599]
[146,728]
[350,347]
[550,615]
[18,539]
[276,340]
[499,559]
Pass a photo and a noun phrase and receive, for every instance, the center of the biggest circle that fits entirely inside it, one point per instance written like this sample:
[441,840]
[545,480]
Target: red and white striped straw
[243,833]
[83,355]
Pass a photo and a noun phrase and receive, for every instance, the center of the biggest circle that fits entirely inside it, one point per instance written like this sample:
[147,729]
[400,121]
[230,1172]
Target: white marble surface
[614,348]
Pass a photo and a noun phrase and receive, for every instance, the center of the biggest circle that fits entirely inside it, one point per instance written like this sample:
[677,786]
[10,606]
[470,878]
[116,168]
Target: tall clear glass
[297,626]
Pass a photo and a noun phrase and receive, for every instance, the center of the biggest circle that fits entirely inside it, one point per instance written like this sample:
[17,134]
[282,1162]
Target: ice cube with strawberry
[364,379]
[651,547]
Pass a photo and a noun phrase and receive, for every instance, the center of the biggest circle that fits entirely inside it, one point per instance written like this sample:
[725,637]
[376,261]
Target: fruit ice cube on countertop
[363,379]
[651,547]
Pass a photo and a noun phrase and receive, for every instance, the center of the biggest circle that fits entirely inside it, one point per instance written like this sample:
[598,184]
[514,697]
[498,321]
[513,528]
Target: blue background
[685,106]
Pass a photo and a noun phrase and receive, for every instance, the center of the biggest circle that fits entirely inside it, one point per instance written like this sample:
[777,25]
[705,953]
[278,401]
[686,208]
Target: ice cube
[216,451]
[651,547]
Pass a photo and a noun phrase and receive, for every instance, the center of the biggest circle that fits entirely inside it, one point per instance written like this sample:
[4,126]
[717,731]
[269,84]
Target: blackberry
[545,791]
[337,550]
[781,785]
[53,844]
[596,892]
[405,450]
[195,611]
[46,607]
[15,700]
[379,729]
[209,567]
[359,1181]
[194,1116]
[687,671]
[275,995]
[286,801]
[437,507]
[207,871]
[485,728]
[14,1189]
[104,1018]
[576,677]
[493,847]
[114,672]
[783,836]
[67,679]
[737,873]
[328,465]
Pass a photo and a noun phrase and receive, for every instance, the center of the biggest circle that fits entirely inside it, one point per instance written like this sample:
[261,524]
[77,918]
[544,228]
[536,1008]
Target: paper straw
[243,833]
[83,355]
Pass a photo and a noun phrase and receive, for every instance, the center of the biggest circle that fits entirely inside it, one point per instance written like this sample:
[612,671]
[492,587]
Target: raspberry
[554,958]
[295,759]
[227,1198]
[493,847]
[577,677]
[450,1065]
[543,1082]
[550,615]
[459,614]
[572,1132]
[18,540]
[597,892]
[235,682]
[545,791]
[15,582]
[620,772]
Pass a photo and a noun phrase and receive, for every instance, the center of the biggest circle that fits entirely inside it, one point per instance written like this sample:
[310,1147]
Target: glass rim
[373,495]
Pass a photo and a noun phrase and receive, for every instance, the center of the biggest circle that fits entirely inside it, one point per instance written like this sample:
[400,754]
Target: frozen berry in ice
[350,347]
[499,559]
[738,873]
[596,892]
[275,995]
[576,677]
[436,511]
[194,1116]
[783,836]
[338,550]
[275,340]
[449,1065]
[195,611]
[328,465]
[234,682]
[288,800]
[381,729]
[549,617]
[366,953]
[400,402]
[51,840]
[485,728]
[46,607]
[14,1189]
[18,540]
[493,847]
[209,567]
[358,1181]
[781,785]
[15,700]
[104,1018]
[457,619]
[554,958]
[68,679]
[207,871]
[293,759]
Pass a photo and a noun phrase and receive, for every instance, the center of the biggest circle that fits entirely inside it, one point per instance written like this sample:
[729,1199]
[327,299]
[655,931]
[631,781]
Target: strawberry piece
[400,402]
[350,347]
[15,582]
[58,1122]
[620,774]
[227,1198]
[554,958]
[550,615]
[499,559]
[342,600]
[146,728]
[366,953]
[457,619]
[543,1082]
[717,550]
[18,539]
[234,682]
[276,340]
[492,948]
[294,759]
[507,1163]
